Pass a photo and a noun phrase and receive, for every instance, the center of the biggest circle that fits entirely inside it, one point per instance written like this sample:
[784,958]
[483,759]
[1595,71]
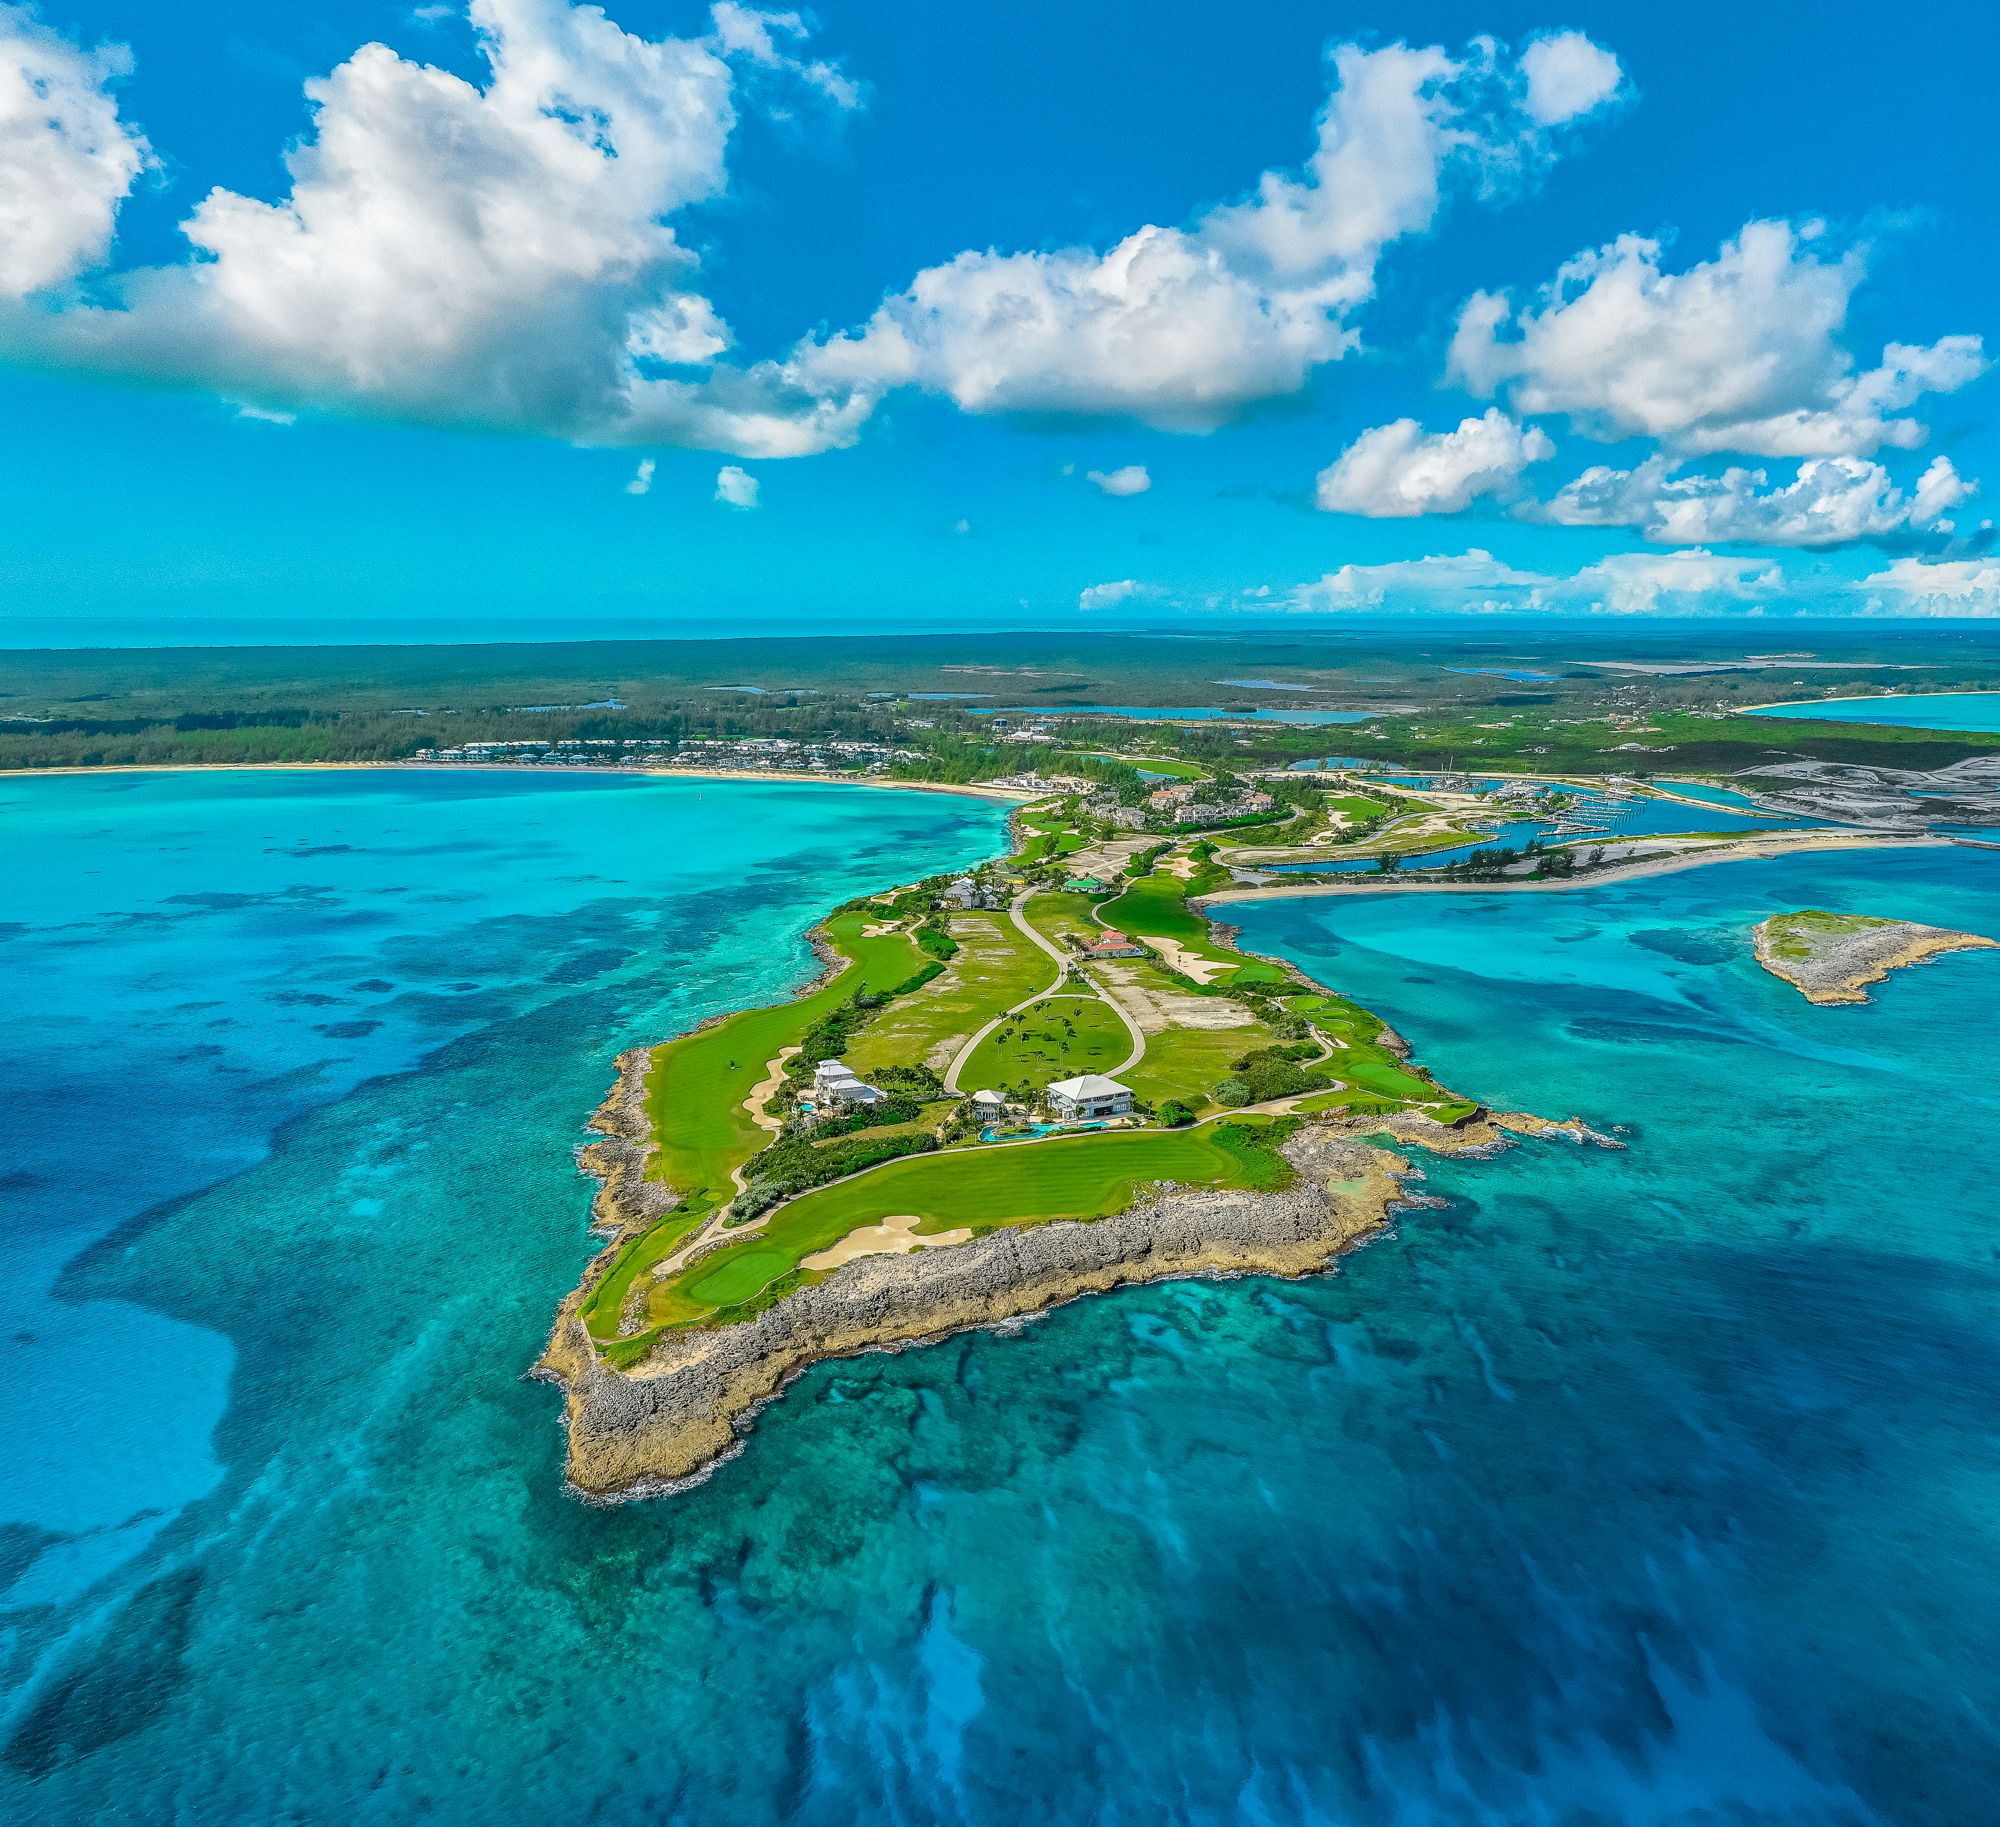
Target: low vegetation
[1799,935]
[979,1190]
[1056,1038]
[696,1092]
[1221,1033]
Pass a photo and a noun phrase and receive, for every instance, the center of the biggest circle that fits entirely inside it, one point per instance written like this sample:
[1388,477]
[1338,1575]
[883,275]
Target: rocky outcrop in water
[1829,958]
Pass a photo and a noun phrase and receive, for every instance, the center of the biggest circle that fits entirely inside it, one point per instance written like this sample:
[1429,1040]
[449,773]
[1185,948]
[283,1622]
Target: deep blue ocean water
[1653,1486]
[1935,710]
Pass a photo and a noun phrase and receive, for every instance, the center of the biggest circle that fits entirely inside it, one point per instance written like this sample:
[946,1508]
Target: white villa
[990,1104]
[1092,1095]
[835,1084]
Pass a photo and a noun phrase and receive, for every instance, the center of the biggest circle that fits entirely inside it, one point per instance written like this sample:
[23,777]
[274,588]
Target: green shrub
[793,1164]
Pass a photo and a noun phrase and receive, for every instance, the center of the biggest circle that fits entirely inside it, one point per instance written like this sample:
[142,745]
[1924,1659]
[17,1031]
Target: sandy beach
[1011,795]
[1735,851]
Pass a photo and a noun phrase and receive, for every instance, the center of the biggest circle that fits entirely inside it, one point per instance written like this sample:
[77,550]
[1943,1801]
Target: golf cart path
[1062,963]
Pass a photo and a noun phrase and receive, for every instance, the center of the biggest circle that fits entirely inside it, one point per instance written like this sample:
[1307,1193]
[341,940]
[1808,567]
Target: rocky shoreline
[1837,966]
[626,1203]
[670,1420]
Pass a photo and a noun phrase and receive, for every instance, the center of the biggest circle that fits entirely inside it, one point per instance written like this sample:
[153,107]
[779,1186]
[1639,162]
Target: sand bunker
[892,1237]
[762,1092]
[1178,958]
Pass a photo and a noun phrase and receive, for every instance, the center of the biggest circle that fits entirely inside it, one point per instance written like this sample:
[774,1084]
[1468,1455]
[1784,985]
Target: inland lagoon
[1978,711]
[1650,1485]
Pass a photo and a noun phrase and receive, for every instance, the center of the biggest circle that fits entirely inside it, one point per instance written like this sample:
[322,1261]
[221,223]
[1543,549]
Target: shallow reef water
[1643,1486]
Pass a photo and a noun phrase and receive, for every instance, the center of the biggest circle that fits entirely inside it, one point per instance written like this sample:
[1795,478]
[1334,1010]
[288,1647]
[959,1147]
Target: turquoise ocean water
[1655,1486]
[1936,710]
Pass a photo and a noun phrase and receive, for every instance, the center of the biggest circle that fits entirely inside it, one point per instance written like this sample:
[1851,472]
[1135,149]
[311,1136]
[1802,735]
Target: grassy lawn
[1057,1038]
[1155,907]
[1045,846]
[1051,833]
[1061,916]
[1400,840]
[1370,1069]
[996,967]
[1091,1176]
[696,1091]
[1337,1017]
[1440,1105]
[1184,1062]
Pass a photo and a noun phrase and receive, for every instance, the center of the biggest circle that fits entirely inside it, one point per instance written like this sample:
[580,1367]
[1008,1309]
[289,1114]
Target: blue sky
[718,320]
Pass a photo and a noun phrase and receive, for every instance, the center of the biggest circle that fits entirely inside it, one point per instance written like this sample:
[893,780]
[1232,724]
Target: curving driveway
[1062,962]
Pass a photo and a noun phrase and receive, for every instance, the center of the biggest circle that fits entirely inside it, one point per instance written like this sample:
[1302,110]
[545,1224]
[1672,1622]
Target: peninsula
[1831,957]
[1045,1078]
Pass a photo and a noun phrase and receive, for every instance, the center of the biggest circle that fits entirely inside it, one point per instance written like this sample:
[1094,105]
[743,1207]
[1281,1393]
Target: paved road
[965,1052]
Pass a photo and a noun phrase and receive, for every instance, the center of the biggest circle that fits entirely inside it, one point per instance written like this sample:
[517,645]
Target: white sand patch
[895,1236]
[1156,1009]
[1107,859]
[761,1092]
[1176,957]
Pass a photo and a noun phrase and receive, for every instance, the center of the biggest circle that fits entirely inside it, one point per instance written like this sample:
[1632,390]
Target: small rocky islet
[1831,958]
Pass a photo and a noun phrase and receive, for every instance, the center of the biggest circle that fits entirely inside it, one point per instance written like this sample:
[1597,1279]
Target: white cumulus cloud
[493,253]
[1831,501]
[500,251]
[1443,577]
[1739,353]
[1397,471]
[1132,479]
[1627,583]
[1121,590]
[1568,76]
[66,159]
[1648,583]
[1955,586]
[1184,327]
[642,478]
[736,487]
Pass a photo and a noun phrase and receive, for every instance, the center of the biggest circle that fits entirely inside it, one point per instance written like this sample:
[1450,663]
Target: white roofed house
[1091,1095]
[835,1085]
